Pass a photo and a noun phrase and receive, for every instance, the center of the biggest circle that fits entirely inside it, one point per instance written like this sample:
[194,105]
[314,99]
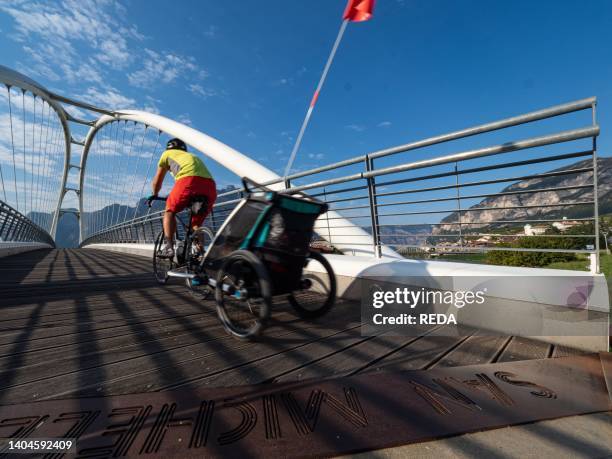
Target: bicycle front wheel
[161,265]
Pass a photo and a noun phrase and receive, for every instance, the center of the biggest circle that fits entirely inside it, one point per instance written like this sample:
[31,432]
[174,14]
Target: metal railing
[395,200]
[145,228]
[15,227]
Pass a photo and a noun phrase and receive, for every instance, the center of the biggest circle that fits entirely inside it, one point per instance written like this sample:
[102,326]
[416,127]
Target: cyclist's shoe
[196,282]
[167,251]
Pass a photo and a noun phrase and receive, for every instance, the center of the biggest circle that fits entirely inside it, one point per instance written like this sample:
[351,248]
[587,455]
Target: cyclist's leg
[169,226]
[177,200]
[203,187]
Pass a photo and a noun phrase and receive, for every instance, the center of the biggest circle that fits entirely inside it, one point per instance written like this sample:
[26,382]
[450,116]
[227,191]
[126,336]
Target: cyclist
[192,179]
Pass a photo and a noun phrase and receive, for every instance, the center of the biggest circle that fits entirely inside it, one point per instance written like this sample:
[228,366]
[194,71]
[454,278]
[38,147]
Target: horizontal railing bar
[480,209]
[491,167]
[490,249]
[344,199]
[453,158]
[565,136]
[520,222]
[550,112]
[465,184]
[473,196]
[476,209]
[490,195]
[494,126]
[328,182]
[466,236]
[478,223]
[340,190]
[488,182]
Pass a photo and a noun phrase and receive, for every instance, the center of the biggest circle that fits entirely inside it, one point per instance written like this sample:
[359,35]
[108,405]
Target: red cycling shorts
[185,189]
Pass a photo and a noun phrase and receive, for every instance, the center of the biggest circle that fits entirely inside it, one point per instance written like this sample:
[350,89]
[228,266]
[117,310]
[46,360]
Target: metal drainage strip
[319,417]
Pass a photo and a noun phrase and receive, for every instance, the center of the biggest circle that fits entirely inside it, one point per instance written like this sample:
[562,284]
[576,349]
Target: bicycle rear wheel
[243,294]
[161,265]
[319,292]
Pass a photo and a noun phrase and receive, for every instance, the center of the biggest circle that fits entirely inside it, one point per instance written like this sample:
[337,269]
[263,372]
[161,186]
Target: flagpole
[330,59]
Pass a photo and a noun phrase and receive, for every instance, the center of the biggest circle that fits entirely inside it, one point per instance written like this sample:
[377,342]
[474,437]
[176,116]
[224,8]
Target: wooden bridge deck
[87,322]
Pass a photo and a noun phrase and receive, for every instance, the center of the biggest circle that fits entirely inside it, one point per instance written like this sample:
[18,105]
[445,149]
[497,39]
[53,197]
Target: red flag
[359,10]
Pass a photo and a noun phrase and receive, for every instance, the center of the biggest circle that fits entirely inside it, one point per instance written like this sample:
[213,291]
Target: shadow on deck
[86,322]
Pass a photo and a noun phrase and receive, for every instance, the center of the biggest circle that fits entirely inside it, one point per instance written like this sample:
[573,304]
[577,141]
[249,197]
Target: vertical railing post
[595,261]
[22,227]
[28,233]
[13,226]
[212,219]
[4,220]
[369,164]
[329,236]
[460,216]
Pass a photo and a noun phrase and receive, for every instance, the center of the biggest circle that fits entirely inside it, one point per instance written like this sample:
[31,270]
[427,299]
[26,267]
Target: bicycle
[188,252]
[259,252]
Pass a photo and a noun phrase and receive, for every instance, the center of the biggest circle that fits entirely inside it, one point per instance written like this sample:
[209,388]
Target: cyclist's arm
[158,180]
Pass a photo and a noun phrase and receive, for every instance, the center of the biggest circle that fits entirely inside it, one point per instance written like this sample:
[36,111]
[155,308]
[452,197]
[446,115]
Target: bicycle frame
[188,230]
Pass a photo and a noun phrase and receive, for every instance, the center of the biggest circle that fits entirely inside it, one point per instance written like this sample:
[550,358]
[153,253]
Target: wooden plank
[79,337]
[419,353]
[351,360]
[270,368]
[521,348]
[477,349]
[141,341]
[163,368]
[566,351]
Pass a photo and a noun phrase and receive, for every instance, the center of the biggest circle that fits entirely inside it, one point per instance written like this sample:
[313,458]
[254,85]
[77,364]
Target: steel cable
[138,158]
[8,89]
[144,183]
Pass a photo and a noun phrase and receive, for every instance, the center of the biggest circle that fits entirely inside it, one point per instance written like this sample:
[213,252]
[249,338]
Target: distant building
[565,224]
[534,230]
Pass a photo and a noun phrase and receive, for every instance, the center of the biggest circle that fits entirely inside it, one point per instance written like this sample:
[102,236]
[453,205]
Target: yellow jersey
[183,164]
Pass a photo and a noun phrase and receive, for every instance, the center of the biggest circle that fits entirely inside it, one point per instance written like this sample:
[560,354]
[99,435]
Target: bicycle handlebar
[150,199]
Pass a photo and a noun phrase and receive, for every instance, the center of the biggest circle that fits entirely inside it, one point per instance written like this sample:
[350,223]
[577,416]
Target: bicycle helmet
[176,144]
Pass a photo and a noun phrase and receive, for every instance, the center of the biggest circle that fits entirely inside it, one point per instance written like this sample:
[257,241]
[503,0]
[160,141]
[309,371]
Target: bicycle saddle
[198,204]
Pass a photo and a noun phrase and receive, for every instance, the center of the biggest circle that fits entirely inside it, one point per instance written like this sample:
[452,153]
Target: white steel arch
[346,235]
[12,78]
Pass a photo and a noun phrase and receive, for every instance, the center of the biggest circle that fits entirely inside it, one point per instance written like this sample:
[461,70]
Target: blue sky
[244,71]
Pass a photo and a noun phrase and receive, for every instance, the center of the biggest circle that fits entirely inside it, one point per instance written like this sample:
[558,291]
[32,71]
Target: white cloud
[185,119]
[109,98]
[151,105]
[53,31]
[165,67]
[355,127]
[200,91]
[85,43]
[384,124]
